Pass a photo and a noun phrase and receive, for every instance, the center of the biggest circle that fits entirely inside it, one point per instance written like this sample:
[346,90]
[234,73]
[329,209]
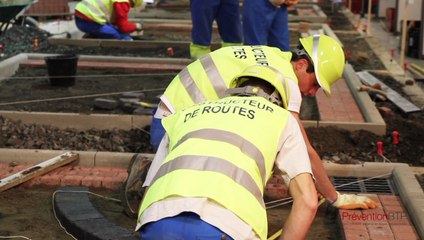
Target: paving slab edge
[86,158]
[412,196]
[80,218]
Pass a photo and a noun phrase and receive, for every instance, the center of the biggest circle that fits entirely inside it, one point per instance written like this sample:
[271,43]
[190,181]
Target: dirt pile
[30,136]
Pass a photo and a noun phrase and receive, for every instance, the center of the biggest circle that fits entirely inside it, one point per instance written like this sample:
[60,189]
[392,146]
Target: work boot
[132,191]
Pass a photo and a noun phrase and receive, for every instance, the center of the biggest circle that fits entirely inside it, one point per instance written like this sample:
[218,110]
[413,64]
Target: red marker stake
[395,135]
[170,51]
[380,148]
[35,47]
[393,54]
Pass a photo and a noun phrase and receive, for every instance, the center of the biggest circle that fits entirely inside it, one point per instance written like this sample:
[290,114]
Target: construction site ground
[27,210]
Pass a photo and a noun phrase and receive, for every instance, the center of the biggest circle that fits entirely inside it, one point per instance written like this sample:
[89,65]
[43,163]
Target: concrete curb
[367,169]
[82,220]
[86,158]
[371,115]
[412,196]
[9,66]
[80,121]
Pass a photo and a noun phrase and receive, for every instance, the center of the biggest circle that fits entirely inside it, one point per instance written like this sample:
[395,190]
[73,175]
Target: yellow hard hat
[268,74]
[328,58]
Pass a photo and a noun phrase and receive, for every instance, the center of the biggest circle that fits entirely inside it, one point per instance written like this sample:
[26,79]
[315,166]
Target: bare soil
[28,211]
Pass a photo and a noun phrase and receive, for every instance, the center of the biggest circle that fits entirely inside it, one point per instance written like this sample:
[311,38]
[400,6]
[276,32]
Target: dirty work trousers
[264,24]
[185,226]
[96,30]
[227,16]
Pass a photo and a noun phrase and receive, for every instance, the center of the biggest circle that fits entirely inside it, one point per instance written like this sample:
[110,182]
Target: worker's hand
[291,2]
[353,201]
[138,27]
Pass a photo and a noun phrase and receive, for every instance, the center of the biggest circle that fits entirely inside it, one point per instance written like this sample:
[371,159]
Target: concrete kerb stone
[183,61]
[80,218]
[366,169]
[86,158]
[79,121]
[9,66]
[412,196]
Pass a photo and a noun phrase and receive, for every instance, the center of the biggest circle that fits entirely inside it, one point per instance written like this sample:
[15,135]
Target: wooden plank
[37,170]
[401,102]
[417,74]
[418,68]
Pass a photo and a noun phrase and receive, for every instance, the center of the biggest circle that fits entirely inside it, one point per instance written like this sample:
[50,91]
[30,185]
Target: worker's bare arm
[305,204]
[322,182]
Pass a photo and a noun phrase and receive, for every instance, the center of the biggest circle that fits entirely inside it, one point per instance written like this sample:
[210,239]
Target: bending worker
[208,177]
[317,62]
[107,19]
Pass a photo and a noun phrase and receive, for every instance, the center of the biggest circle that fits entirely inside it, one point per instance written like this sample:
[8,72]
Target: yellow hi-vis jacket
[100,11]
[223,150]
[208,77]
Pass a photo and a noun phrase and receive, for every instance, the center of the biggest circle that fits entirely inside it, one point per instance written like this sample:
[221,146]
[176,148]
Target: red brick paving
[98,177]
[340,106]
[389,221]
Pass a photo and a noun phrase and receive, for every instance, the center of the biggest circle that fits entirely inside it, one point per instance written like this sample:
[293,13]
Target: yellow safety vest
[223,150]
[100,11]
[208,77]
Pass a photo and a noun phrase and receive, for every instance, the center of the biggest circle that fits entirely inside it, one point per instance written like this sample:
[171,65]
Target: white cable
[11,237]
[78,97]
[93,76]
[284,201]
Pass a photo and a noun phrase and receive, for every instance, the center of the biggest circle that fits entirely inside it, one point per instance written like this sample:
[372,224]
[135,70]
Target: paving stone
[81,218]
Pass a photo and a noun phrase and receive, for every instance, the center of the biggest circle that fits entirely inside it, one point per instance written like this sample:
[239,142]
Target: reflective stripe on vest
[213,164]
[208,77]
[212,73]
[191,87]
[225,136]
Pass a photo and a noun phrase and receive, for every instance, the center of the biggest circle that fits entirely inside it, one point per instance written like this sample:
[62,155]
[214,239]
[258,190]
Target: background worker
[265,22]
[317,62]
[107,19]
[208,177]
[227,16]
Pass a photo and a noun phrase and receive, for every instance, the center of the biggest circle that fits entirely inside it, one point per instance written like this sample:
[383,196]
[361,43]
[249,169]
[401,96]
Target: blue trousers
[227,16]
[96,30]
[264,24]
[185,226]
